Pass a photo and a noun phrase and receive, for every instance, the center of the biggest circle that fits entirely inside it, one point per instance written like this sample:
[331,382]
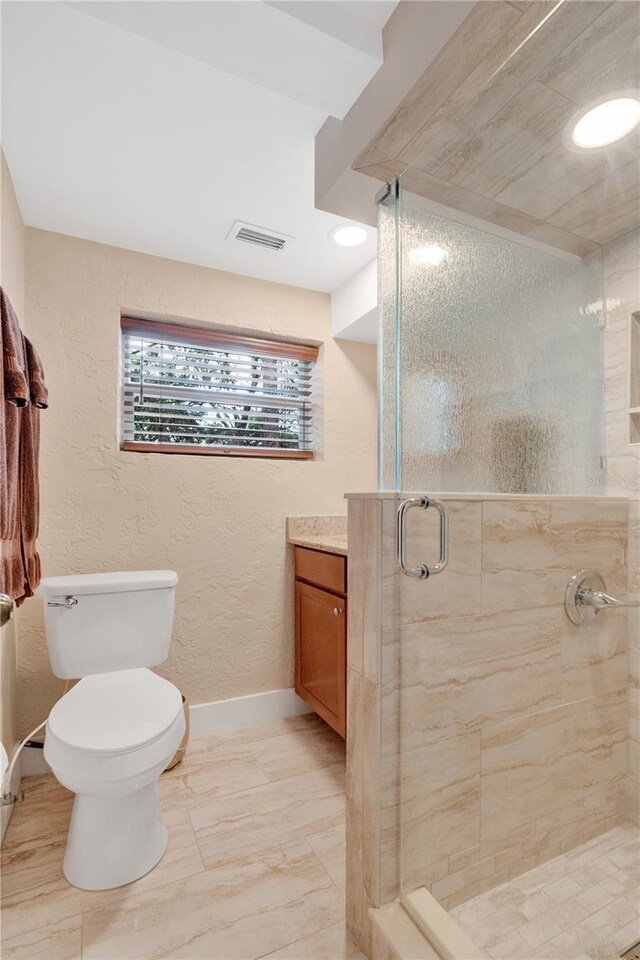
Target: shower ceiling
[492,142]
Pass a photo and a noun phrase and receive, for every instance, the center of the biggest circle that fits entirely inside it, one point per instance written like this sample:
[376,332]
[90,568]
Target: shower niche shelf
[633,410]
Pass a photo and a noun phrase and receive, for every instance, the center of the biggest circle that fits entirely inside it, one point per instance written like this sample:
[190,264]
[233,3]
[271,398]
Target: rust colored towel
[35,375]
[29,467]
[15,395]
[19,436]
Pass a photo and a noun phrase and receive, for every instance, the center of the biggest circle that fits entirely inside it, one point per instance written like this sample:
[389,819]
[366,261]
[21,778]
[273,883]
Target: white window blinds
[189,390]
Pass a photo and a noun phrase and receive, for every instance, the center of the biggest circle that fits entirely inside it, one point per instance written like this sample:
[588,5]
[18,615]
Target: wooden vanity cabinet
[321,634]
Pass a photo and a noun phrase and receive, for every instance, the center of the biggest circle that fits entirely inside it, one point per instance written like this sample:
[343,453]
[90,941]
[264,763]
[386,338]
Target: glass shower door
[492,380]
[513,720]
[492,358]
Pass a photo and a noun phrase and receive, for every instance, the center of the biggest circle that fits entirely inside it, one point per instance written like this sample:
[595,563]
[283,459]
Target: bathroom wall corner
[12,259]
[373,801]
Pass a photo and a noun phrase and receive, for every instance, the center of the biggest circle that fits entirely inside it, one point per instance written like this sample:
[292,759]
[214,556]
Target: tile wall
[622,367]
[517,736]
[508,744]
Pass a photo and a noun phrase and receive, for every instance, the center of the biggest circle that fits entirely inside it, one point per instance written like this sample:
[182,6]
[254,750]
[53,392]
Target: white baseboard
[13,787]
[221,715]
[208,718]
[33,762]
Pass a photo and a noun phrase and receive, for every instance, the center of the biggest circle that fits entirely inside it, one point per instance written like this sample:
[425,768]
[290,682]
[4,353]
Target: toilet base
[114,840]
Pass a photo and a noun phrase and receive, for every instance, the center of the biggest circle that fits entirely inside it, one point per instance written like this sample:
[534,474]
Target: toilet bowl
[108,740]
[110,737]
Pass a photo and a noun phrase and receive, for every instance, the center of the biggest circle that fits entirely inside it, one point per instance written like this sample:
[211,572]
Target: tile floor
[583,904]
[254,868]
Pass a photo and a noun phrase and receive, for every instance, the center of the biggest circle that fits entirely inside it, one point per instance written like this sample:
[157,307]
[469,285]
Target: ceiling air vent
[261,237]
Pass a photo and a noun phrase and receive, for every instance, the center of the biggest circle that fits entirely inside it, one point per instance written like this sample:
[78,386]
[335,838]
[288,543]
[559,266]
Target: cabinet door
[321,653]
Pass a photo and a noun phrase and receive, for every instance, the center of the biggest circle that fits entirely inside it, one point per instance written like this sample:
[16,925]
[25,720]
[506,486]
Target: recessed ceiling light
[608,121]
[348,235]
[432,255]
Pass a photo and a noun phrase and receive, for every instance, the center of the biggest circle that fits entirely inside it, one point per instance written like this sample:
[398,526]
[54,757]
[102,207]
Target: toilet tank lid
[120,582]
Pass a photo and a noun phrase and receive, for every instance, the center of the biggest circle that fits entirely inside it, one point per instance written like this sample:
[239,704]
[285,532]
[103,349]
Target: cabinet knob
[337,611]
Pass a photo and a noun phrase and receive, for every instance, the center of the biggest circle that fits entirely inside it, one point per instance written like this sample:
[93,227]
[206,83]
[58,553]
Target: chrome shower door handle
[422,571]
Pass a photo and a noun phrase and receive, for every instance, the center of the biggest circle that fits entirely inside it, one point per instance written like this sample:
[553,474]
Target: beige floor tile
[540,930]
[332,943]
[254,820]
[241,910]
[512,947]
[613,885]
[567,914]
[213,767]
[570,945]
[272,890]
[628,935]
[330,847]
[532,905]
[564,888]
[36,893]
[277,728]
[298,752]
[567,920]
[594,898]
[472,911]
[60,941]
[497,926]
[44,812]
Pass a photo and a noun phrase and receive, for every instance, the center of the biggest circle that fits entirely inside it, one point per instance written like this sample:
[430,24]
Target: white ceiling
[155,125]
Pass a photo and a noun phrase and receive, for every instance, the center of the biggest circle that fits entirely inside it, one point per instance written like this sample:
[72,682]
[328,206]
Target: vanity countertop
[319,533]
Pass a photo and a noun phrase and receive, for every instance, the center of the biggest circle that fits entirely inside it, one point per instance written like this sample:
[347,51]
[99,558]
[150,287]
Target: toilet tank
[119,620]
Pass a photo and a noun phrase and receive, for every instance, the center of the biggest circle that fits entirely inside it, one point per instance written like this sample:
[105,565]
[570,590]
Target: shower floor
[582,905]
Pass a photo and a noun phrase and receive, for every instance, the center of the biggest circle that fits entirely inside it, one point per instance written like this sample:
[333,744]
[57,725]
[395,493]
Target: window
[192,390]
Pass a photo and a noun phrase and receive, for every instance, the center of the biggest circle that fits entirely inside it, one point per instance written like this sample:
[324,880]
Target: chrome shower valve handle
[586,595]
[601,600]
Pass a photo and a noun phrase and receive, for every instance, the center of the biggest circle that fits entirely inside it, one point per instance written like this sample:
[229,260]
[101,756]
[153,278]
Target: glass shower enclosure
[491,358]
[491,346]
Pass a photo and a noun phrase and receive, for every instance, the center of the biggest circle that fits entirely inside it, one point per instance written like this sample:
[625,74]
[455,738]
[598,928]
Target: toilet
[110,737]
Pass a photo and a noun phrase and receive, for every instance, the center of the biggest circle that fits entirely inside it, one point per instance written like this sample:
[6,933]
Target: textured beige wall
[12,239]
[622,297]
[219,522]
[12,281]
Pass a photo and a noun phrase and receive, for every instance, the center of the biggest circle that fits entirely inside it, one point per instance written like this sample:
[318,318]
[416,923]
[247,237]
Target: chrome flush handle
[422,571]
[68,602]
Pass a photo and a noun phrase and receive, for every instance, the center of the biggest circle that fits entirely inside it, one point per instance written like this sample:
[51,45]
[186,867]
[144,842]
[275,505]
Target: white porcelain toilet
[110,737]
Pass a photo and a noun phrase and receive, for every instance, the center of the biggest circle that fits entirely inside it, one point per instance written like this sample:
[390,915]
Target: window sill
[195,450]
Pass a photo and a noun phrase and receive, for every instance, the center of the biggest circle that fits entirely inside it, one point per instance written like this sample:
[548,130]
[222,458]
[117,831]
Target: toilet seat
[113,726]
[115,712]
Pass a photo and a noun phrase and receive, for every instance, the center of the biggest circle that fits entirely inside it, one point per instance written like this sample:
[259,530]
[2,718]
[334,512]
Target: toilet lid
[115,712]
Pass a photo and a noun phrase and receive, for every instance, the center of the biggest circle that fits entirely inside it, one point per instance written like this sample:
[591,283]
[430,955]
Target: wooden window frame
[222,340]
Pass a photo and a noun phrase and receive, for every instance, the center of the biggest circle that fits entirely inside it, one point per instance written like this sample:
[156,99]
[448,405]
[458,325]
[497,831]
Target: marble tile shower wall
[373,715]
[514,721]
[621,262]
[507,744]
